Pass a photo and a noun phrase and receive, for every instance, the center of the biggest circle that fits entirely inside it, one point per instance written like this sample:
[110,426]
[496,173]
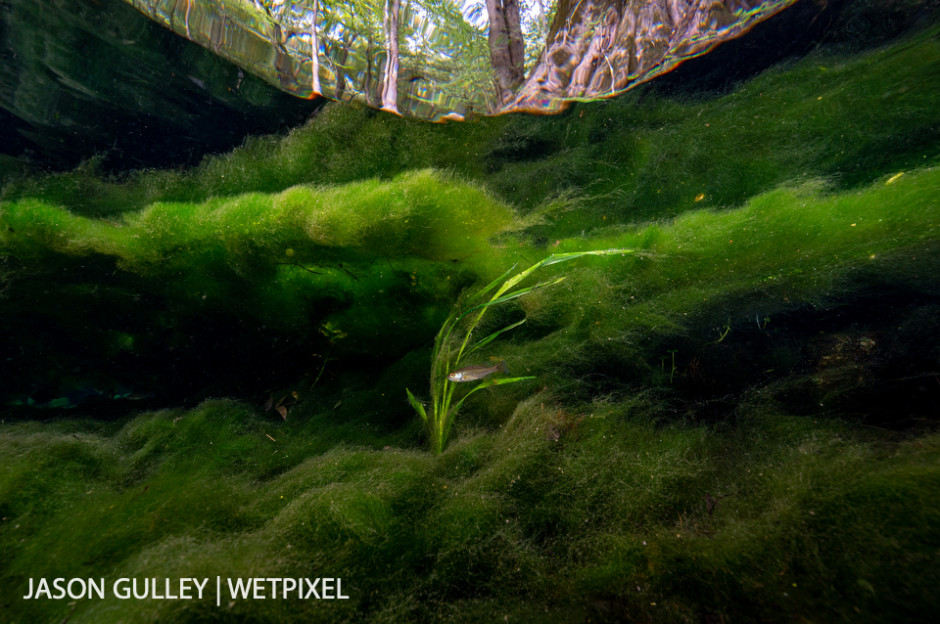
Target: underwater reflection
[452,59]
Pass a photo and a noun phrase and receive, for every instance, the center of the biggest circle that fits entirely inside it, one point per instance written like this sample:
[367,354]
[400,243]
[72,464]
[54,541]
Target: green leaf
[489,383]
[415,403]
[564,257]
[493,284]
[555,259]
[523,291]
[447,356]
[493,336]
[511,296]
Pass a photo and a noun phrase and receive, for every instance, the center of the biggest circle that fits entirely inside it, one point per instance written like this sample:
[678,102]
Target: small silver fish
[472,373]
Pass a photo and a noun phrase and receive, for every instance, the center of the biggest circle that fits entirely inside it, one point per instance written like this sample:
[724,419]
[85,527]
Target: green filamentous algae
[203,370]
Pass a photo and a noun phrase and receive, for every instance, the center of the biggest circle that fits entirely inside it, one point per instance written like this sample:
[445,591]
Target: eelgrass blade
[564,257]
[500,297]
[555,259]
[487,384]
[493,336]
[442,413]
[493,284]
[511,296]
[522,291]
[500,382]
[415,403]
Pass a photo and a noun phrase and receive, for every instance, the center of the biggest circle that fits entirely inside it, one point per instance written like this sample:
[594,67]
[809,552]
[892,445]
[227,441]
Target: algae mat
[204,370]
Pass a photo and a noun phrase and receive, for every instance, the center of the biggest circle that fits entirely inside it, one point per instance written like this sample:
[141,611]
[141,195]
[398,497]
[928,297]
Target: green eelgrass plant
[447,357]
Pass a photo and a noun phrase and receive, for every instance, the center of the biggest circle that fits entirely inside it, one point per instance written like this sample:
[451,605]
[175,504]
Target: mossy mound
[735,422]
[367,269]
[558,515]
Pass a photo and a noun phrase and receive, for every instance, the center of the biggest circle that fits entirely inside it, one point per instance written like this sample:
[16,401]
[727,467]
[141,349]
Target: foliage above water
[443,59]
[736,422]
[849,119]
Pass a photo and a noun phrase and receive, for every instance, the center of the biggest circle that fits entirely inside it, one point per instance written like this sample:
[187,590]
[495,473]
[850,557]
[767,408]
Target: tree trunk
[598,48]
[507,50]
[390,88]
[338,57]
[315,51]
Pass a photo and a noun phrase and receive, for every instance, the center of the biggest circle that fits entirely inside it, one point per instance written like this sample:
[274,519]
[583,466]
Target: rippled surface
[449,59]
